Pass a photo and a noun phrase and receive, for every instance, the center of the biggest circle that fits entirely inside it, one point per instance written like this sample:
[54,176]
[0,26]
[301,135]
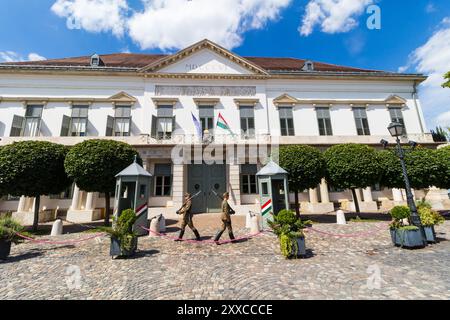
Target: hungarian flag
[222,123]
[266,208]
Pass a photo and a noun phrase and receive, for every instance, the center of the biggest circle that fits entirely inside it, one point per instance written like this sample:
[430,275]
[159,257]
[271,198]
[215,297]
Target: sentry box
[133,192]
[273,191]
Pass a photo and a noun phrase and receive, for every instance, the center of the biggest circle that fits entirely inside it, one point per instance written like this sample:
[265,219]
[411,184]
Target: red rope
[44,241]
[203,241]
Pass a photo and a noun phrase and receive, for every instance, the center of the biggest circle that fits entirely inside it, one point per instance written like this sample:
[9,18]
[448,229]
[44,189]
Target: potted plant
[429,219]
[8,234]
[402,234]
[289,229]
[123,239]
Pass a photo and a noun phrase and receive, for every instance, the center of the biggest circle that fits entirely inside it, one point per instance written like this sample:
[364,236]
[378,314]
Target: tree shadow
[21,257]
[142,254]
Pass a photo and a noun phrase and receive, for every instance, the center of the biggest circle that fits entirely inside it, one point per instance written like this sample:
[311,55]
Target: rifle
[184,203]
[221,198]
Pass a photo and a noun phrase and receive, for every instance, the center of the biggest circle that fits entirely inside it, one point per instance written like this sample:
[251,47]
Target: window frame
[166,181]
[324,123]
[288,129]
[32,118]
[361,121]
[247,122]
[80,119]
[117,118]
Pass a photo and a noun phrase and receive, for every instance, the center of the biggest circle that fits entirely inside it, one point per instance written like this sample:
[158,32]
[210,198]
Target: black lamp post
[396,130]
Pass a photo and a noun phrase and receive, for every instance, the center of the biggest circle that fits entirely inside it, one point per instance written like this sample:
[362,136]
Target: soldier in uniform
[185,211]
[227,211]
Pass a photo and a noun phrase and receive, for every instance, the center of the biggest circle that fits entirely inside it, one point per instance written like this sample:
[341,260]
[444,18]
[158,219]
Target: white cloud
[169,24]
[433,59]
[35,57]
[93,15]
[333,16]
[11,56]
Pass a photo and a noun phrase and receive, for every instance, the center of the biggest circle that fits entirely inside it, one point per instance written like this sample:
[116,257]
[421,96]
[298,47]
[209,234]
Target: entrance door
[205,178]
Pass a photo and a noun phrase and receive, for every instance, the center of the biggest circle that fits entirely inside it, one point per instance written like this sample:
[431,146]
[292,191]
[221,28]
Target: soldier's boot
[217,237]
[197,235]
[232,238]
[180,236]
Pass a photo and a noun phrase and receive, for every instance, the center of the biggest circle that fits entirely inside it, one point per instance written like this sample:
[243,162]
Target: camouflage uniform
[227,211]
[187,218]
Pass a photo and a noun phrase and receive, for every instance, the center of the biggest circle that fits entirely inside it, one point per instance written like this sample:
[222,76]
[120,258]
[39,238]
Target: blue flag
[198,126]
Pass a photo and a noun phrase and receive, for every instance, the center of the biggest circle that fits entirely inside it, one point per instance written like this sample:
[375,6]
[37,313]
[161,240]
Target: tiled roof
[136,61]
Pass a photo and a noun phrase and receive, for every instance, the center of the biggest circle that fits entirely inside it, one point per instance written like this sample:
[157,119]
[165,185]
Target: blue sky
[414,35]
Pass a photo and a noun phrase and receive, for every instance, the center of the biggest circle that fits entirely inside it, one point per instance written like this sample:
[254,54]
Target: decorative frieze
[202,91]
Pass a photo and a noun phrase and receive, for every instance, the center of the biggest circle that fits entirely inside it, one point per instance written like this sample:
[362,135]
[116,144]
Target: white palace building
[150,100]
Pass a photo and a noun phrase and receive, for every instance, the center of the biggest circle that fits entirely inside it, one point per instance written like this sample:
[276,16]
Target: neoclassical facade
[162,104]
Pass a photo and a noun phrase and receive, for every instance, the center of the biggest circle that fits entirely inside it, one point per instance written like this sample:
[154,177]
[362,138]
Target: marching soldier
[227,211]
[185,210]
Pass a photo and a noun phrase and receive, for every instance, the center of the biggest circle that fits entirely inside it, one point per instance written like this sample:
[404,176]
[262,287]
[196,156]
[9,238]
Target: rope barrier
[45,241]
[164,235]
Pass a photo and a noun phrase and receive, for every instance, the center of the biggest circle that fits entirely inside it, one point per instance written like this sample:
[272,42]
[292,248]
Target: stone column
[234,183]
[397,195]
[367,193]
[90,201]
[358,194]
[75,198]
[178,185]
[324,196]
[313,196]
[22,204]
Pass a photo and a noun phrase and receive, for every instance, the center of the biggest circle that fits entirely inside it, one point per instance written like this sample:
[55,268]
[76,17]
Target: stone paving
[336,268]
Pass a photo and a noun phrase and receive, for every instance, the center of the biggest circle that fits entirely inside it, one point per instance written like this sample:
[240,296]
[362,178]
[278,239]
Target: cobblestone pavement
[336,268]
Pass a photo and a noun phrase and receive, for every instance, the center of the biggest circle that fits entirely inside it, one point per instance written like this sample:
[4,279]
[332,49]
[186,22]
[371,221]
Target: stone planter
[407,238]
[430,234]
[5,249]
[116,250]
[301,247]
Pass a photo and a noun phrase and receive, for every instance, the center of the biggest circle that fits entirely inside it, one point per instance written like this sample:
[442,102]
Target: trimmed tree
[447,78]
[352,166]
[93,165]
[306,168]
[422,165]
[32,169]
[444,160]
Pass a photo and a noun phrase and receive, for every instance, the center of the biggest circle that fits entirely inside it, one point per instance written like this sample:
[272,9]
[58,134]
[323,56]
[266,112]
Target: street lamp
[396,130]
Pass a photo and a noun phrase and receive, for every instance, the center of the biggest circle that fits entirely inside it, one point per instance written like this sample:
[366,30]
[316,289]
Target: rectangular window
[265,188]
[164,122]
[163,180]
[286,121]
[397,116]
[362,124]
[32,122]
[122,121]
[247,114]
[206,114]
[324,120]
[78,127]
[248,179]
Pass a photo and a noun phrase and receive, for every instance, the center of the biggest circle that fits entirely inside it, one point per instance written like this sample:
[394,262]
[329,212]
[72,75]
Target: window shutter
[174,122]
[17,126]
[154,123]
[65,126]
[129,128]
[109,126]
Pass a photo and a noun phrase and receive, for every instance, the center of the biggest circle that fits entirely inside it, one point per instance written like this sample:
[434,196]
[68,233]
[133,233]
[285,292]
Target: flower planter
[430,234]
[301,247]
[5,249]
[116,250]
[407,238]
